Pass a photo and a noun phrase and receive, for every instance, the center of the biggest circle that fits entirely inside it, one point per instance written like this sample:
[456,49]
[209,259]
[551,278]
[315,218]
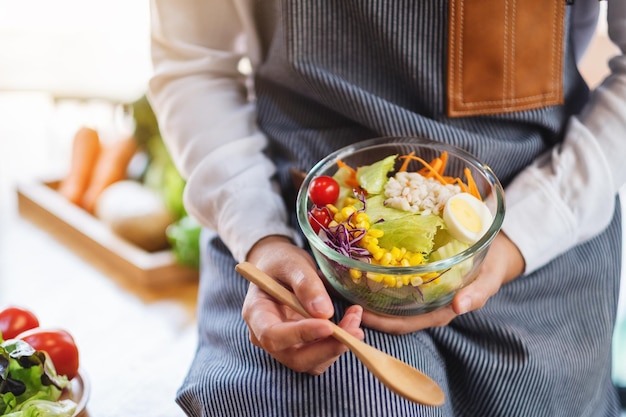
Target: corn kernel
[347,211]
[405,279]
[356,275]
[375,277]
[389,280]
[416,280]
[386,259]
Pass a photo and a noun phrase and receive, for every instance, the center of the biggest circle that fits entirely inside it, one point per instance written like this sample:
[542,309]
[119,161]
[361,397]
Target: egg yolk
[465,215]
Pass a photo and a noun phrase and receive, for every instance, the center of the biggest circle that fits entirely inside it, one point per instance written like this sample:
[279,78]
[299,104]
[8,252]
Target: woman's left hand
[502,264]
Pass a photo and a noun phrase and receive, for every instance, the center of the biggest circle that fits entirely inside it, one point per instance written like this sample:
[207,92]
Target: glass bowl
[403,290]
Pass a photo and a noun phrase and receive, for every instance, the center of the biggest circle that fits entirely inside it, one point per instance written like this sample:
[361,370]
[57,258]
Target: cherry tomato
[15,320]
[319,216]
[58,344]
[323,190]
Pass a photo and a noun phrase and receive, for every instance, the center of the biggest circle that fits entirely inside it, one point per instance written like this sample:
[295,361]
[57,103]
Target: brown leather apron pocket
[504,55]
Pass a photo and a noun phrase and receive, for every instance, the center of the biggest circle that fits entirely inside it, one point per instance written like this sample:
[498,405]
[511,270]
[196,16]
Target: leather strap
[504,55]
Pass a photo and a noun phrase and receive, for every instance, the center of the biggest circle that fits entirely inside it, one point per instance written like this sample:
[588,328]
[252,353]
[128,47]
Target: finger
[351,321]
[408,324]
[300,274]
[311,292]
[475,295]
[301,346]
[273,325]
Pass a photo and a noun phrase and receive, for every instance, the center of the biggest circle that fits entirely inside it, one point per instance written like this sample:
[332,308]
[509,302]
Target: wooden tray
[41,204]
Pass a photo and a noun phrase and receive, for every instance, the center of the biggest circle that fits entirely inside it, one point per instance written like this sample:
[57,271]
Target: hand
[302,344]
[503,263]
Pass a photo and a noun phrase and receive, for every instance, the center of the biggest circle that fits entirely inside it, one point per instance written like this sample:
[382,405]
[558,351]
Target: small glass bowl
[441,279]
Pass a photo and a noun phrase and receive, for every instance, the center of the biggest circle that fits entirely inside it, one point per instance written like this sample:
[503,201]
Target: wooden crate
[41,204]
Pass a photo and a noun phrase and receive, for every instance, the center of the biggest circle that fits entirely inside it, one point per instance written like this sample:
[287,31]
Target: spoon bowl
[396,375]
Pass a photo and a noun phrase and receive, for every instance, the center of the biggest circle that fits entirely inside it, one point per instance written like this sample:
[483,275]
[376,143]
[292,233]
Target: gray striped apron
[339,71]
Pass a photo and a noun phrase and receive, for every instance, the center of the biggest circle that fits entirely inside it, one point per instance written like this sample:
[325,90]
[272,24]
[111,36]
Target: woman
[532,335]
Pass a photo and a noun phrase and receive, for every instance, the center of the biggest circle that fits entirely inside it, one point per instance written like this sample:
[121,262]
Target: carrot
[428,167]
[444,161]
[407,159]
[471,184]
[110,168]
[85,152]
[351,181]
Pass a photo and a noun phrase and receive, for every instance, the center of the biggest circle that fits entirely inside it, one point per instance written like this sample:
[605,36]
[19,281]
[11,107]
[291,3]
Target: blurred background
[71,63]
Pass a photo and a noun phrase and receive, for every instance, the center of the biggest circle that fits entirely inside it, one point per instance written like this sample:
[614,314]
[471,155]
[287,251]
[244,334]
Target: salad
[36,366]
[392,217]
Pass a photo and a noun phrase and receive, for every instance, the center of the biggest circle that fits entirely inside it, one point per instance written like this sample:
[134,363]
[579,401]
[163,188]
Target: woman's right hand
[302,344]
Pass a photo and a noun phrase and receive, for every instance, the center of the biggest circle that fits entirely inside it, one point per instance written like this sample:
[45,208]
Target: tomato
[319,216]
[58,344]
[15,320]
[323,190]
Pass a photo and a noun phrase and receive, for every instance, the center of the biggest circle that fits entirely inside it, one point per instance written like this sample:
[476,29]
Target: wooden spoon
[398,376]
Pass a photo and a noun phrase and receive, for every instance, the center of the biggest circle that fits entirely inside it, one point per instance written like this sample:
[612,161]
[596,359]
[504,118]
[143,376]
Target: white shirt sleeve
[568,195]
[208,122]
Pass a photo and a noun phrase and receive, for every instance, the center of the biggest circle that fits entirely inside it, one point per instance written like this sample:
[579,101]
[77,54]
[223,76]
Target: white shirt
[208,123]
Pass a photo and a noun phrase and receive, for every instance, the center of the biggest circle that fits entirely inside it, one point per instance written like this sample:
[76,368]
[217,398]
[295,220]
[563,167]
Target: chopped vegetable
[397,220]
[26,374]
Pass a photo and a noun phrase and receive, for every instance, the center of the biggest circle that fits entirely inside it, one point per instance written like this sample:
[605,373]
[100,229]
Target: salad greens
[29,384]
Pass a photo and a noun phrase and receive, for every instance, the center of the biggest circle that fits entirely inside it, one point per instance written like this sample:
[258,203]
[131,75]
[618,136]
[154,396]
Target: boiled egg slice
[467,217]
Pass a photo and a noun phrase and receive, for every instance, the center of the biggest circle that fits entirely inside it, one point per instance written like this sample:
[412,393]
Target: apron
[337,72]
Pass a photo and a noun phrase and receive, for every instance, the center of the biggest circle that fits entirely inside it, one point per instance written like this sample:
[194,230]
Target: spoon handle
[271,286]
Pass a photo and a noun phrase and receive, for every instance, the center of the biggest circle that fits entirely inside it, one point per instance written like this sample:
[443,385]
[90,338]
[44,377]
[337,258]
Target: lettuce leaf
[26,374]
[415,232]
[44,408]
[372,178]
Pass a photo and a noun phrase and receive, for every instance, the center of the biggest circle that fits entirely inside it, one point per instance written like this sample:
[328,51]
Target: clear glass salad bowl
[408,288]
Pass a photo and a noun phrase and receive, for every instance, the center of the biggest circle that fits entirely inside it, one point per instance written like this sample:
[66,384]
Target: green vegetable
[44,408]
[184,237]
[161,174]
[414,232]
[26,374]
[373,178]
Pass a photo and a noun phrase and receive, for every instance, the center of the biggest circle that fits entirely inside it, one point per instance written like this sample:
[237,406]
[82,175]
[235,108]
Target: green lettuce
[44,408]
[372,178]
[26,374]
[415,232]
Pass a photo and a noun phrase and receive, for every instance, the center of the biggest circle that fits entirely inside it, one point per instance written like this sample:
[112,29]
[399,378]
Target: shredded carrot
[459,183]
[427,165]
[444,160]
[405,164]
[471,184]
